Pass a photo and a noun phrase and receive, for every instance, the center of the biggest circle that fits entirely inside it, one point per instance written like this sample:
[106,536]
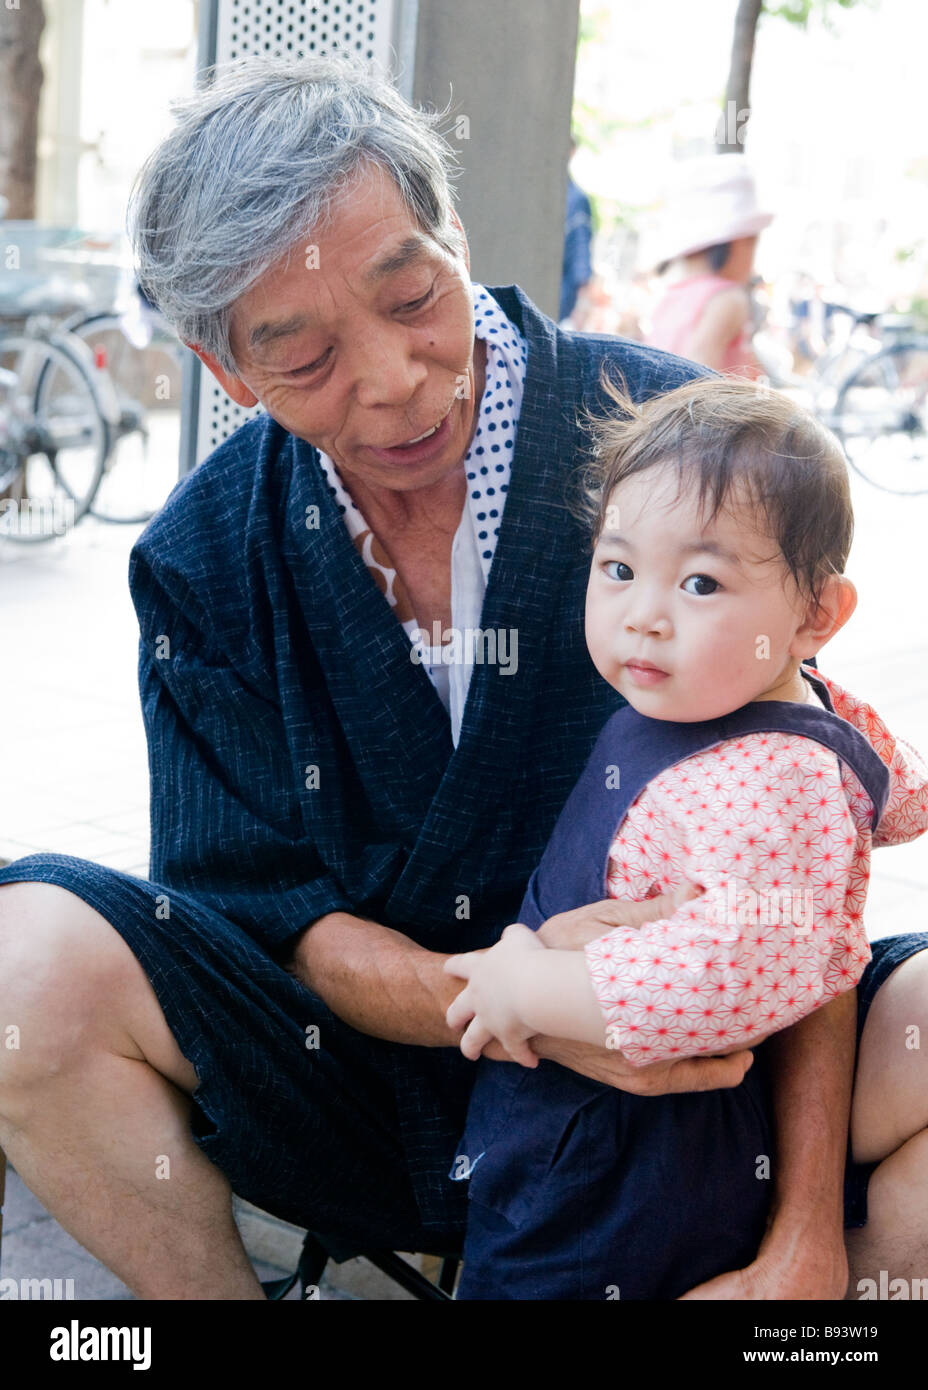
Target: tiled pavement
[74,775]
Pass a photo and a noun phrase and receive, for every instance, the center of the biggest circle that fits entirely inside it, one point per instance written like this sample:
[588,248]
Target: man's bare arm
[377,980]
[383,984]
[813,1073]
[802,1255]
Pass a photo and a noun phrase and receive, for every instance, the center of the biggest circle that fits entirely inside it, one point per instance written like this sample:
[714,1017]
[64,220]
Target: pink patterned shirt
[777,831]
[677,317]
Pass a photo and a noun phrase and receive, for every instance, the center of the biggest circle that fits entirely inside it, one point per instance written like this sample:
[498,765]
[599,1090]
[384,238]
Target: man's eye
[310,366]
[619,564]
[417,303]
[701,579]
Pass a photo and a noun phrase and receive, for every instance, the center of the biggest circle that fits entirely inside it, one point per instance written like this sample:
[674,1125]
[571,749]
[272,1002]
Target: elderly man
[336,805]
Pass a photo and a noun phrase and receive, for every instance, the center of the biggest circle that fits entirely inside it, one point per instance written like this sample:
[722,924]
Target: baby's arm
[774,935]
[516,990]
[771,939]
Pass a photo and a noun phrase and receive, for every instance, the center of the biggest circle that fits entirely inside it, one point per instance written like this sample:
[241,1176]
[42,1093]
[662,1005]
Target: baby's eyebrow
[710,548]
[696,547]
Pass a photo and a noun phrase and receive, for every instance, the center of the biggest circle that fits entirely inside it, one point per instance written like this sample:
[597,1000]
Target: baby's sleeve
[905,815]
[776,850]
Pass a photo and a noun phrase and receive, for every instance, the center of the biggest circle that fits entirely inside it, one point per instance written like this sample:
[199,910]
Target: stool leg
[2,1189]
[448,1274]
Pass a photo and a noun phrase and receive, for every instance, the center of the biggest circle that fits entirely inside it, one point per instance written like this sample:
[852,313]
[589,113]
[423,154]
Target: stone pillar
[508,69]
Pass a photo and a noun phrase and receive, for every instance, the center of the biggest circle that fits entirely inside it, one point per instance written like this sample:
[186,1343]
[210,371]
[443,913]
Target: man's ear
[837,603]
[230,384]
[457,222]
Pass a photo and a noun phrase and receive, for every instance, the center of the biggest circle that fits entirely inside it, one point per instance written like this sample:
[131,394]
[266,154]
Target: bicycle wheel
[147,381]
[53,453]
[881,417]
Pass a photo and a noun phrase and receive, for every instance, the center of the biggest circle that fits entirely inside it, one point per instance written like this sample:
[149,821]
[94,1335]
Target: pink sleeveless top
[678,314]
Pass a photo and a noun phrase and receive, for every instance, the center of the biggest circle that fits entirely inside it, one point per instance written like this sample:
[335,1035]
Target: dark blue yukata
[301,763]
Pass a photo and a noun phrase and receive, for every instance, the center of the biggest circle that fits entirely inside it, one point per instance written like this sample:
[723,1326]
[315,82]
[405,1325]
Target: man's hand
[656,1079]
[804,1268]
[569,931]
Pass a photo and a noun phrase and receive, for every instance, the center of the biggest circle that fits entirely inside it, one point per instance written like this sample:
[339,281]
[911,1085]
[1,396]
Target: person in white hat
[705,249]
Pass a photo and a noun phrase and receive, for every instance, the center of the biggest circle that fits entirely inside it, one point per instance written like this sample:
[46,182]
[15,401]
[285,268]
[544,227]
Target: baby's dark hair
[723,434]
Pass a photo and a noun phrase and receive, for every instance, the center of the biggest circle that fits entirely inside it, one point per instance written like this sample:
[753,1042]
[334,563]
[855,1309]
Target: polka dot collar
[488,462]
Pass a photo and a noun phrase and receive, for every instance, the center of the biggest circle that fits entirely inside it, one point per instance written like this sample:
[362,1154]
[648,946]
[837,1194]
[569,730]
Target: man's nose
[385,372]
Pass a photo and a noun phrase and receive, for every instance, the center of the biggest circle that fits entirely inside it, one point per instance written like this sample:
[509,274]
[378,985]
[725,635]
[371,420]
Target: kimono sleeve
[905,815]
[226,825]
[769,941]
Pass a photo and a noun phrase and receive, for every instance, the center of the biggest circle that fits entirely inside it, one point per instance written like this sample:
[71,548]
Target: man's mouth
[417,438]
[427,434]
[421,447]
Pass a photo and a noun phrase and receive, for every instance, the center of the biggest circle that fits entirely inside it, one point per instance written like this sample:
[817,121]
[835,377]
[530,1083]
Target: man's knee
[890,1102]
[63,975]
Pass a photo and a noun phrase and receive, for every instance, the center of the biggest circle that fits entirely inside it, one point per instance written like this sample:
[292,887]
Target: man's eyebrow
[692,548]
[270,331]
[412,249]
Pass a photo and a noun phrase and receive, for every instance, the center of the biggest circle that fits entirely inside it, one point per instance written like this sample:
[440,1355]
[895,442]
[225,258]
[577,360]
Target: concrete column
[508,67]
[60,142]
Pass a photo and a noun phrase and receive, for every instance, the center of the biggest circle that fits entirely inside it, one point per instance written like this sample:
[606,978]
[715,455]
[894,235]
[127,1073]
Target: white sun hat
[707,200]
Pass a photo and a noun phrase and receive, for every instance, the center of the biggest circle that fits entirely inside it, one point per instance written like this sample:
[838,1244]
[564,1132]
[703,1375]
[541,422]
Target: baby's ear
[836,605]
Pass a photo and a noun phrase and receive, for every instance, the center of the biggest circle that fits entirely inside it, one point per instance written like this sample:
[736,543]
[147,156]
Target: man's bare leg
[94,1105]
[889,1122]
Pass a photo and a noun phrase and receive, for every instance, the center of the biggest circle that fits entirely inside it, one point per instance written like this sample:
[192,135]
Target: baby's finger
[519,932]
[475,1039]
[458,965]
[521,1052]
[460,1011]
[685,892]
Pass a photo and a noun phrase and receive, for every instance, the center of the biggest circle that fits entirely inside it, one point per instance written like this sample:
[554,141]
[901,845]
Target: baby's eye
[701,579]
[619,564]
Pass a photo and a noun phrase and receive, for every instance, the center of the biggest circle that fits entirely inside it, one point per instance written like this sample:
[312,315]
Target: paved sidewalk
[75,776]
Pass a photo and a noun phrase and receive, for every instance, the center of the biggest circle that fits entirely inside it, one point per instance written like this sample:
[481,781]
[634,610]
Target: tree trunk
[21,84]
[732,127]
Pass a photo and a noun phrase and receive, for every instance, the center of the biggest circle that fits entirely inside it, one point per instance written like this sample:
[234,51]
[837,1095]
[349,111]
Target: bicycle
[57,417]
[144,359]
[56,394]
[881,416]
[142,355]
[872,393]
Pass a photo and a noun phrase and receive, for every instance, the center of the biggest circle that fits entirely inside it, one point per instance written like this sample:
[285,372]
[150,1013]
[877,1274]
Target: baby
[721,527]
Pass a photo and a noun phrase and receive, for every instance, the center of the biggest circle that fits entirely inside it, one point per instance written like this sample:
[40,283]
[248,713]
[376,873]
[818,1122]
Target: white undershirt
[468,587]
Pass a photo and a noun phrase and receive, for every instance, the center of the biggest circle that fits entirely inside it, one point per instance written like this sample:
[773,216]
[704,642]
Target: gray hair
[256,161]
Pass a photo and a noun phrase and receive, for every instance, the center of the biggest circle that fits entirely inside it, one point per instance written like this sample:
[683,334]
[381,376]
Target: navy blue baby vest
[573,868]
[578,1189]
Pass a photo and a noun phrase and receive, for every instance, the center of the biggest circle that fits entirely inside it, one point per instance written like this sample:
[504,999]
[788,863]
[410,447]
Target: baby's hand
[487,1007]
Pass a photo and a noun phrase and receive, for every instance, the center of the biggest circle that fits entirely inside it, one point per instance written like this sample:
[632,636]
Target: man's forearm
[812,1072]
[377,980]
